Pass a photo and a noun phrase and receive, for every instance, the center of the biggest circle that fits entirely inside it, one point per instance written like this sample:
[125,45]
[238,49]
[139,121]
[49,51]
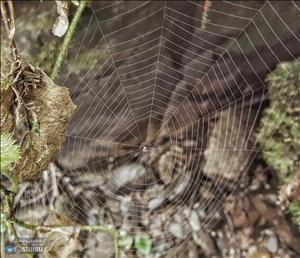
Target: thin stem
[111,231]
[13,179]
[7,11]
[24,225]
[14,231]
[67,40]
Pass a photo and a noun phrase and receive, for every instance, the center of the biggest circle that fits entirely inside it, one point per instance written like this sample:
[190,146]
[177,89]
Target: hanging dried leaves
[62,22]
[36,111]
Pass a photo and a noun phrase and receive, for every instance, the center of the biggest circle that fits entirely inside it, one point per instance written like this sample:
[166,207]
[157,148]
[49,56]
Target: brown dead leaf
[44,109]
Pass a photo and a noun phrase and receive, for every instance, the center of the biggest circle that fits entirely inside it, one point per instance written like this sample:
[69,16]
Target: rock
[259,254]
[186,249]
[272,244]
[194,221]
[125,205]
[176,230]
[126,178]
[145,218]
[205,242]
[182,184]
[228,145]
[156,202]
[99,244]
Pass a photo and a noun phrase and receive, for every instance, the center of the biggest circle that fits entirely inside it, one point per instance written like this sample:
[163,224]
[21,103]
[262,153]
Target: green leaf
[5,225]
[143,244]
[9,151]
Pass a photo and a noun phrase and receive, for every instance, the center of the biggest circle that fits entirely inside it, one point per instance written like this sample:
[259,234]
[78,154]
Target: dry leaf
[61,24]
[44,110]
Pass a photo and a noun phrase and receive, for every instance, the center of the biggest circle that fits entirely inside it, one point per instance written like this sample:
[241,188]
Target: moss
[294,209]
[279,132]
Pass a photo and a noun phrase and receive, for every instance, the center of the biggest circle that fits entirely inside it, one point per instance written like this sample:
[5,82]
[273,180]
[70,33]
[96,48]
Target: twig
[207,5]
[2,247]
[9,23]
[23,224]
[67,40]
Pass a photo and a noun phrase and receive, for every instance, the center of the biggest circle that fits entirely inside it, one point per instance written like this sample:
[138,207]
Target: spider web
[160,82]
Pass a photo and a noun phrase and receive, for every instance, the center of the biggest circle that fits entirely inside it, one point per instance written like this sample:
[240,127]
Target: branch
[67,40]
[7,11]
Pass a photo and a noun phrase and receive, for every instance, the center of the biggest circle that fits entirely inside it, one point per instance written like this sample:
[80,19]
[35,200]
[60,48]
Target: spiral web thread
[159,74]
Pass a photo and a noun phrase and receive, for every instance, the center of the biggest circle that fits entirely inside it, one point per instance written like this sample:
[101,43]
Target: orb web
[166,110]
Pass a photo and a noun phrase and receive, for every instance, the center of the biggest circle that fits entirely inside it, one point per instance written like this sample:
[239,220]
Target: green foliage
[279,133]
[10,152]
[5,225]
[295,211]
[143,244]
